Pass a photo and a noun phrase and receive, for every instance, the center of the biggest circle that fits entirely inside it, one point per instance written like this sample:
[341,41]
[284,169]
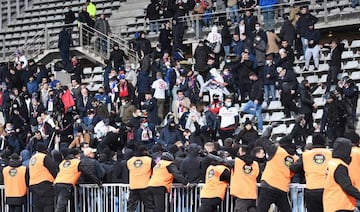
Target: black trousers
[313,200]
[287,100]
[141,195]
[159,195]
[268,196]
[63,193]
[42,197]
[15,208]
[209,204]
[245,205]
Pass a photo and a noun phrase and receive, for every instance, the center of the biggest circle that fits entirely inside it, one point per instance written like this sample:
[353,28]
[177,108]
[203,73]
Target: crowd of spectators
[169,106]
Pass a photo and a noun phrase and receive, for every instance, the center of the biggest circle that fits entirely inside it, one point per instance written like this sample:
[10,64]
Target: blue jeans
[233,12]
[303,44]
[297,197]
[154,26]
[251,108]
[269,20]
[226,50]
[269,90]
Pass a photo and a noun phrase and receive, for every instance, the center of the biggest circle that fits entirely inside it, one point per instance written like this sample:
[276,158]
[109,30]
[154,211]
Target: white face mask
[257,28]
[257,38]
[123,103]
[268,62]
[228,104]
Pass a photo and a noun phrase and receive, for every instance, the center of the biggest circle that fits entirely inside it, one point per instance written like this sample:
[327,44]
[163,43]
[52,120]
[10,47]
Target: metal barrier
[113,197]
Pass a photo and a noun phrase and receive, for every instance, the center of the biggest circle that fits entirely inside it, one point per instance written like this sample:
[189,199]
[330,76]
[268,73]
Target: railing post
[46,38]
[197,27]
[108,47]
[81,34]
[326,12]
[17,7]
[4,52]
[9,11]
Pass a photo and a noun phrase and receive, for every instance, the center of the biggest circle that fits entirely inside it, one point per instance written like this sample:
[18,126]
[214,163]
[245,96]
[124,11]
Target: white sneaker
[301,58]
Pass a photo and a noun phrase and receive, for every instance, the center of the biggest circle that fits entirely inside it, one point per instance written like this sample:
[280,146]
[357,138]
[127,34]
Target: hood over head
[342,149]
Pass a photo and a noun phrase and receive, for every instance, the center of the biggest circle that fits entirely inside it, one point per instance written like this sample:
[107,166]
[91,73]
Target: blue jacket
[143,82]
[32,87]
[267,3]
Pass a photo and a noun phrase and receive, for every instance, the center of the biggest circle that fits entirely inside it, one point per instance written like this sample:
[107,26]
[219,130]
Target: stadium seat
[275,105]
[290,128]
[281,129]
[319,101]
[313,79]
[351,65]
[323,78]
[323,67]
[277,116]
[347,55]
[87,70]
[98,70]
[355,44]
[355,75]
[318,114]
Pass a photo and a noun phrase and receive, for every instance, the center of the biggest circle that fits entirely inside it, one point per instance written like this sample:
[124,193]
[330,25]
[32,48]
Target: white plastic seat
[323,78]
[347,55]
[323,67]
[312,79]
[318,114]
[87,70]
[319,101]
[281,129]
[266,117]
[290,128]
[355,75]
[275,105]
[351,65]
[355,44]
[319,91]
[276,116]
[98,70]
[98,78]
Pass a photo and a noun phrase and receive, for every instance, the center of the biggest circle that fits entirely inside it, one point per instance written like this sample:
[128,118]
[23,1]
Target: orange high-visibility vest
[243,179]
[334,197]
[68,172]
[354,167]
[139,168]
[315,163]
[14,181]
[214,187]
[37,171]
[161,176]
[277,173]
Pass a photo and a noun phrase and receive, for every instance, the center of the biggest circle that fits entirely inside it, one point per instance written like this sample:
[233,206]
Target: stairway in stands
[41,15]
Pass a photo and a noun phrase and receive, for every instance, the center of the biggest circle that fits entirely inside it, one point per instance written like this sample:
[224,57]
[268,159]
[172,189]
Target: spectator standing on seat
[288,32]
[256,96]
[232,6]
[305,19]
[312,37]
[160,87]
[226,37]
[268,13]
[287,87]
[314,163]
[16,180]
[269,77]
[20,58]
[143,46]
[163,175]
[42,170]
[336,50]
[102,25]
[152,15]
[64,43]
[118,57]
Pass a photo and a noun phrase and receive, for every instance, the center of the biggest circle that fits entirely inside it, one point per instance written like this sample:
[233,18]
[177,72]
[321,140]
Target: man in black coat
[118,56]
[151,109]
[256,96]
[287,87]
[302,24]
[64,46]
[334,63]
[226,37]
[165,37]
[307,104]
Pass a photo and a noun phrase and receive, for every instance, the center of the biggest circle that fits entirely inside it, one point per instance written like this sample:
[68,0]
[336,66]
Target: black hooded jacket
[342,150]
[191,165]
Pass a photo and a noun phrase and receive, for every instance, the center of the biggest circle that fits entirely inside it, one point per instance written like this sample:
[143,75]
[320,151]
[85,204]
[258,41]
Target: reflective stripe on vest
[14,181]
[139,168]
[277,173]
[213,186]
[161,176]
[315,163]
[243,180]
[334,197]
[38,172]
[68,172]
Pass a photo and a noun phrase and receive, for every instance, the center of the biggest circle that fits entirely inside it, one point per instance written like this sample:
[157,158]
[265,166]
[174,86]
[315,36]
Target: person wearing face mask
[226,37]
[229,80]
[180,106]
[229,119]
[307,104]
[260,32]
[103,97]
[144,134]
[126,110]
[150,106]
[260,53]
[169,134]
[216,104]
[248,135]
[130,74]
